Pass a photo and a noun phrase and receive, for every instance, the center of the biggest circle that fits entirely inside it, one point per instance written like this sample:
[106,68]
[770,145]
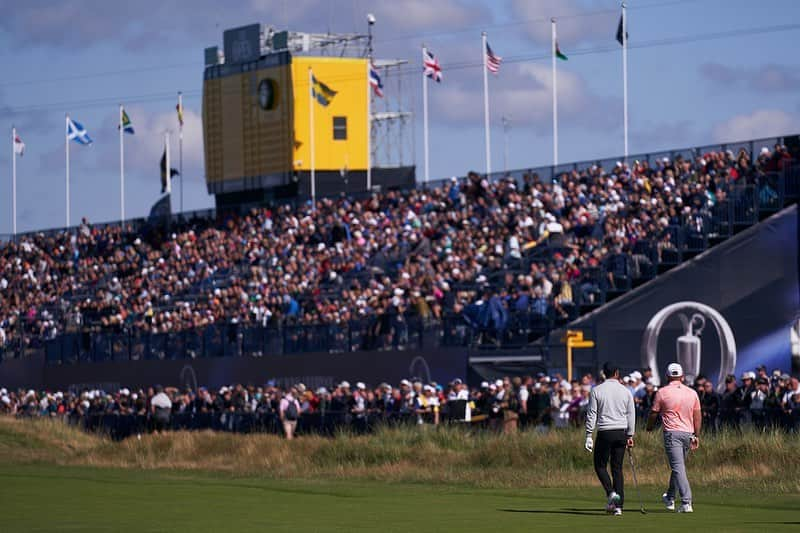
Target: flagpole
[486,108]
[311,135]
[14,180]
[66,147]
[425,117]
[169,167]
[121,169]
[180,145]
[369,126]
[625,76]
[555,94]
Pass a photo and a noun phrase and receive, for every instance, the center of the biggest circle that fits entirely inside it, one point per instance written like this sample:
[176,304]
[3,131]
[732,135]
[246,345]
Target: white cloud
[143,150]
[416,15]
[771,77]
[758,124]
[574,23]
[526,98]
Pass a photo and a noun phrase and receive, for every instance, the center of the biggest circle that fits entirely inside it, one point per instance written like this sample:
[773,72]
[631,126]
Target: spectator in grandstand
[253,269]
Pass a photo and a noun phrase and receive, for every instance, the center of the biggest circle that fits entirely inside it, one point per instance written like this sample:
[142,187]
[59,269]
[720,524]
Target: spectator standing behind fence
[289,411]
[160,409]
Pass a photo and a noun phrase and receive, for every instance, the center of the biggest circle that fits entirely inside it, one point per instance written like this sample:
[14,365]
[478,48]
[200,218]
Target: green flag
[559,55]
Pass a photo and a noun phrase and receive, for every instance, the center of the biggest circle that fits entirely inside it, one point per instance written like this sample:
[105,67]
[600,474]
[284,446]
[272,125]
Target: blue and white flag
[76,132]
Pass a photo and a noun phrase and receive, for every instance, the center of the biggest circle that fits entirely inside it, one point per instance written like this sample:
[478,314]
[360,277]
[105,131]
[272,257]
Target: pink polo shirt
[677,403]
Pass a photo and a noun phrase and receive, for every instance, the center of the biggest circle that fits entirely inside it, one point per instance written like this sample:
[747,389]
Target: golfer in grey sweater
[611,412]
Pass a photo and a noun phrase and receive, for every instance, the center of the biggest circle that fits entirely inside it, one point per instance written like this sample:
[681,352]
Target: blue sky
[85,57]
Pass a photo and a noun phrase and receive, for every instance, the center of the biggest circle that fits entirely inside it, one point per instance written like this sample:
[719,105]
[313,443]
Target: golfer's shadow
[567,510]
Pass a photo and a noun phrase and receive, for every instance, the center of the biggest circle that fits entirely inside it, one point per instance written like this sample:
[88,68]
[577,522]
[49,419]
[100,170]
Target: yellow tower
[257,102]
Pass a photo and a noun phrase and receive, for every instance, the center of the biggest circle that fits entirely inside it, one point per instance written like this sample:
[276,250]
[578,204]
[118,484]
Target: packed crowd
[533,246]
[758,398]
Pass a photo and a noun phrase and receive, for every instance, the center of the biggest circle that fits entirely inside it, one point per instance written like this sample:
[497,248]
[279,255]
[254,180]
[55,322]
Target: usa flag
[431,66]
[375,81]
[492,60]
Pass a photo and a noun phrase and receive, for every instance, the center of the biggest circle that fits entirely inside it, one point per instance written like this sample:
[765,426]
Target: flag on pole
[179,109]
[19,146]
[127,126]
[431,66]
[321,92]
[619,33]
[492,60]
[375,80]
[559,54]
[172,171]
[76,132]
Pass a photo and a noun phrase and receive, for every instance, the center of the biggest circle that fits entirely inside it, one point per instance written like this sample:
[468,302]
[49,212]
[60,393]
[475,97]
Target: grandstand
[476,262]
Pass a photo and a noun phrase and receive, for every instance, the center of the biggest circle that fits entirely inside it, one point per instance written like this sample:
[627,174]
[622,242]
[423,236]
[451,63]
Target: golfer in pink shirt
[681,418]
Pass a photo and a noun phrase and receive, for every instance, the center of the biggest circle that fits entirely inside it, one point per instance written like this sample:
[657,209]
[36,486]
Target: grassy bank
[764,462]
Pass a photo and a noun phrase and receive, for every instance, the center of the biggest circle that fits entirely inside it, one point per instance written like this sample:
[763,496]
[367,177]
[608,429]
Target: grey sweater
[610,407]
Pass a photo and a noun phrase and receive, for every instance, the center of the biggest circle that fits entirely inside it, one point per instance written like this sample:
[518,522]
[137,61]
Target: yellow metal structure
[574,340]
[256,119]
[348,77]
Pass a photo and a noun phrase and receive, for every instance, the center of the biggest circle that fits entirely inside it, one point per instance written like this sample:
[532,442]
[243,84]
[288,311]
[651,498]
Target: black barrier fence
[328,423]
[235,340]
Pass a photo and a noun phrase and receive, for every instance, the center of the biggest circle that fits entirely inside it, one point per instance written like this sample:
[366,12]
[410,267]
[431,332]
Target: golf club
[636,482]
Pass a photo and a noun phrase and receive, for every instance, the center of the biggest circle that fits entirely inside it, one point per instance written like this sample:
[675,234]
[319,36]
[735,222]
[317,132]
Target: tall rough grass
[767,462]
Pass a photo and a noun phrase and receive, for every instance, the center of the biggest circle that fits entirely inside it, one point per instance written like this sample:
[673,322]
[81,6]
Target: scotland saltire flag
[321,92]
[77,133]
[375,81]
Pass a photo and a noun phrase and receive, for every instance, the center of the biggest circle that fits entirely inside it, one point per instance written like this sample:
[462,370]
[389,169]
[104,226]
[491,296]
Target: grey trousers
[677,444]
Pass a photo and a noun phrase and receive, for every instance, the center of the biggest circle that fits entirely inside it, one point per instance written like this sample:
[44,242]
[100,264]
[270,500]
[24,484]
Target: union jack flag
[375,81]
[492,61]
[431,66]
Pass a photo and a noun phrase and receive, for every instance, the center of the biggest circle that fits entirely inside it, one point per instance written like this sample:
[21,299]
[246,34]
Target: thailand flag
[431,66]
[375,81]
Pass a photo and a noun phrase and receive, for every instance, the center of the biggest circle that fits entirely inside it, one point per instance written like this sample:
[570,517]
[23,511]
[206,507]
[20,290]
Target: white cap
[360,385]
[484,384]
[636,375]
[344,384]
[406,383]
[674,370]
[499,382]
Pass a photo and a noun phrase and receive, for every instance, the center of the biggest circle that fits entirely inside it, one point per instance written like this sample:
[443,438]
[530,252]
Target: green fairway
[39,498]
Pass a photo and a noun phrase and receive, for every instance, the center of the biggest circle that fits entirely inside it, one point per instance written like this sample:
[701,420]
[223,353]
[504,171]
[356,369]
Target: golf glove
[589,444]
